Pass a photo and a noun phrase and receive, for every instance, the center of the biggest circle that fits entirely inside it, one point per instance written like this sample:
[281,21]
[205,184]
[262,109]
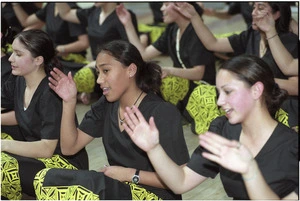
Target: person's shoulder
[155,102]
[286,131]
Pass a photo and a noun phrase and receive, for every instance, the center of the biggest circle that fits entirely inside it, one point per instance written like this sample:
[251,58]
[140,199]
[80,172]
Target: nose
[10,59]
[100,79]
[254,11]
[221,100]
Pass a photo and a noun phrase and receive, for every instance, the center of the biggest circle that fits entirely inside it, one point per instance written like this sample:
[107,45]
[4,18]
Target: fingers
[214,143]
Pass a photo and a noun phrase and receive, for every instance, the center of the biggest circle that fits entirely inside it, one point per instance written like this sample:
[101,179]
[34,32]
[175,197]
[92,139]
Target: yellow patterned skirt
[62,184]
[202,107]
[11,173]
[174,89]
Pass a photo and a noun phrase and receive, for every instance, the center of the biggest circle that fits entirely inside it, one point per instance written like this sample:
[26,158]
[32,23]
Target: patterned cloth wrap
[77,58]
[85,185]
[202,107]
[85,80]
[154,31]
[174,89]
[11,184]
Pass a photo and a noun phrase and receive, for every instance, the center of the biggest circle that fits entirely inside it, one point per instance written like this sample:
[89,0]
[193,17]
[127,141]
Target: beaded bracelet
[272,36]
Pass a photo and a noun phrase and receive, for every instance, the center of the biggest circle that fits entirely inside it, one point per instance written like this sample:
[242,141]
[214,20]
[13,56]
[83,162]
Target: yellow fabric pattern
[85,80]
[282,116]
[202,107]
[56,161]
[77,58]
[10,179]
[139,193]
[174,89]
[154,31]
[75,192]
[5,136]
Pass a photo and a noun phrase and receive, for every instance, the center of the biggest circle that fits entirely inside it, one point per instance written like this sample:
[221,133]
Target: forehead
[18,45]
[105,59]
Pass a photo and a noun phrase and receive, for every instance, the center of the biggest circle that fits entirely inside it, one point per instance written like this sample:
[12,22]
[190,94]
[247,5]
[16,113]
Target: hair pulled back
[251,69]
[148,75]
[282,24]
[38,43]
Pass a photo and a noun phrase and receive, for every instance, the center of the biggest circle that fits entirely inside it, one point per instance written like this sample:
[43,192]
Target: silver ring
[239,145]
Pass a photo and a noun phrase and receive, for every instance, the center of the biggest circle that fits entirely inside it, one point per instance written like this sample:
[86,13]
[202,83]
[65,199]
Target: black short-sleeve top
[111,28]
[60,31]
[277,160]
[102,121]
[192,51]
[248,41]
[42,118]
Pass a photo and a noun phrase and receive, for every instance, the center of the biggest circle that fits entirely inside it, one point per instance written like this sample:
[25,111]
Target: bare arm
[27,21]
[205,35]
[37,149]
[72,139]
[66,13]
[291,85]
[125,17]
[195,74]
[8,118]
[285,61]
[77,46]
[179,179]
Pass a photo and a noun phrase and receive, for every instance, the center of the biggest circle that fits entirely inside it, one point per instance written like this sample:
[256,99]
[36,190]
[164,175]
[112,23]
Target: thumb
[152,124]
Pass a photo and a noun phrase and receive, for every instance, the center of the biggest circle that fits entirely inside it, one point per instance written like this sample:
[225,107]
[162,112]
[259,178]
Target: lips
[105,90]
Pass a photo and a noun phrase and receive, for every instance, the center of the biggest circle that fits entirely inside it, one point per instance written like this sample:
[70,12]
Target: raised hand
[144,135]
[186,9]
[123,14]
[228,153]
[63,85]
[266,22]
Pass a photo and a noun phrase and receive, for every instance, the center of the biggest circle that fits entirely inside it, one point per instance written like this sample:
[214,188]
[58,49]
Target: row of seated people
[137,83]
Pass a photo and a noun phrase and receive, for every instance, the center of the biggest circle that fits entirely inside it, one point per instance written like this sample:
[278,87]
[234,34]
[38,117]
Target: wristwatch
[136,177]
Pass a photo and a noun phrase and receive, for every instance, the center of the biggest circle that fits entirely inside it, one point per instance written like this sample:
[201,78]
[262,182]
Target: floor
[211,189]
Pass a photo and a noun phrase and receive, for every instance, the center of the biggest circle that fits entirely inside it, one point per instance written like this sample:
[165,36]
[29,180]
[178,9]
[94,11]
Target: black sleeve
[83,15]
[93,121]
[161,44]
[50,109]
[7,93]
[41,13]
[168,121]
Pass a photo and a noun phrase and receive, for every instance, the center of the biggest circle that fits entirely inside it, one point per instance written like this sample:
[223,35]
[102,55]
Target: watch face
[135,179]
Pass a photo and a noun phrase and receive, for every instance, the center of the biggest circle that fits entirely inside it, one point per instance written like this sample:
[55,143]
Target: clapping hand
[145,135]
[230,154]
[63,85]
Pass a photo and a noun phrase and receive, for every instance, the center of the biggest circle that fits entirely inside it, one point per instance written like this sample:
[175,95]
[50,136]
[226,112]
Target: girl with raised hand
[126,80]
[255,155]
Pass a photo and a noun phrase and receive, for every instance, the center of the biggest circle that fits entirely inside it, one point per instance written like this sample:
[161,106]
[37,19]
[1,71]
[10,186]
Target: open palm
[228,153]
[63,85]
[144,135]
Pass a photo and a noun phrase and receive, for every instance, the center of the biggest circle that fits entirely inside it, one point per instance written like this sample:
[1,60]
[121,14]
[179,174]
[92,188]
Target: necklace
[122,120]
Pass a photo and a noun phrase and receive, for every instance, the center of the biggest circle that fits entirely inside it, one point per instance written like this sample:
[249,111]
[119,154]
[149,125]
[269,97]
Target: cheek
[242,102]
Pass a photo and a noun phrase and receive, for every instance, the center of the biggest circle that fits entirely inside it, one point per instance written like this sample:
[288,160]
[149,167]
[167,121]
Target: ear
[276,15]
[39,60]
[132,69]
[257,90]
